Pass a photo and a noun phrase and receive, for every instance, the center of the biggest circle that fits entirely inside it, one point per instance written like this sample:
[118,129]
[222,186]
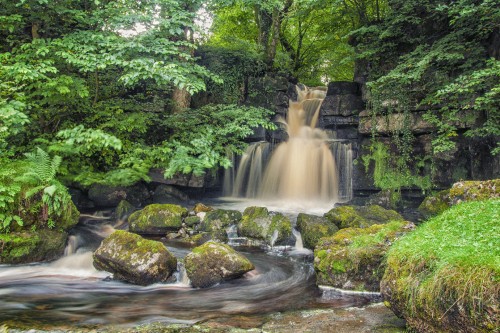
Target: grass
[451,264]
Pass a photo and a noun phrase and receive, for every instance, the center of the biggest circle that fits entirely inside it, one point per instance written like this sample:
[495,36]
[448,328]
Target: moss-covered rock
[27,247]
[124,210]
[134,259]
[353,257]
[444,276]
[259,223]
[361,216]
[460,192]
[213,263]
[192,221]
[216,222]
[313,228]
[197,239]
[157,219]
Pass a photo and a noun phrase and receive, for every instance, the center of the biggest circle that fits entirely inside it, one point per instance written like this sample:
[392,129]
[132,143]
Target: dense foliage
[441,56]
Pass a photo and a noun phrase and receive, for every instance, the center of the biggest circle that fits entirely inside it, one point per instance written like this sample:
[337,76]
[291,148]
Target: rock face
[216,222]
[460,192]
[353,258]
[361,216]
[168,194]
[157,219]
[212,263]
[313,228]
[134,259]
[26,247]
[259,223]
[110,196]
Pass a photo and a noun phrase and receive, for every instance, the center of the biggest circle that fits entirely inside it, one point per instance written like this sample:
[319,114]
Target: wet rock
[198,239]
[313,228]
[353,258]
[460,192]
[168,194]
[201,208]
[124,210]
[361,216]
[134,259]
[384,199]
[28,246]
[259,223]
[341,105]
[216,222]
[157,219]
[80,199]
[343,88]
[110,196]
[212,263]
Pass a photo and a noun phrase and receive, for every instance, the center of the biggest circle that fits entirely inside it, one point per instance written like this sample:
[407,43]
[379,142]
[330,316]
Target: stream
[70,292]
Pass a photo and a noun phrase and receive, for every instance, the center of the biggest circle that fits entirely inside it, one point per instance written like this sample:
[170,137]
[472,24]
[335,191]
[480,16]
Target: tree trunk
[181,99]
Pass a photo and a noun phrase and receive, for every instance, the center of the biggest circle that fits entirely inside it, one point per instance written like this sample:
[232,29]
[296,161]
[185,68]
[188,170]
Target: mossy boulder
[216,222]
[212,263]
[460,192]
[192,221]
[197,239]
[124,210]
[259,223]
[157,219]
[134,259]
[444,276]
[361,216]
[353,258]
[313,228]
[27,247]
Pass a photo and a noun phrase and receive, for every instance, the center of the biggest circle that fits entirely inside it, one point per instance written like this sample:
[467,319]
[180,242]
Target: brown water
[301,169]
[70,292]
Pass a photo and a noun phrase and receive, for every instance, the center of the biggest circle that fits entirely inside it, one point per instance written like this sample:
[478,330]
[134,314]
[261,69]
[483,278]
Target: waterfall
[71,246]
[299,245]
[305,167]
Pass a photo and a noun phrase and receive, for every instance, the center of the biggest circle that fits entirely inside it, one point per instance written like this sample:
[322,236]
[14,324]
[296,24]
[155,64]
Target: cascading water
[304,168]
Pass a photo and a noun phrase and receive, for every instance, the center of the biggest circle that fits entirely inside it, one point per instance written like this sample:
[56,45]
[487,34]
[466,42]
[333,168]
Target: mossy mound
[259,223]
[361,216]
[157,219]
[134,259]
[460,192]
[444,277]
[216,222]
[353,258]
[27,247]
[192,221]
[212,263]
[313,228]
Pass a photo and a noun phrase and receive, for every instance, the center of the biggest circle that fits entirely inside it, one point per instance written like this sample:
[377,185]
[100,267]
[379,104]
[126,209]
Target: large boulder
[169,194]
[28,246]
[361,216]
[353,258]
[313,228]
[212,263]
[134,259]
[259,223]
[216,221]
[444,276]
[157,219]
[460,192]
[110,196]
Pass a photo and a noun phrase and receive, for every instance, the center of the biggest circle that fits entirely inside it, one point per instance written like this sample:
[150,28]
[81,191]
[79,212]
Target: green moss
[460,192]
[157,219]
[259,223]
[447,272]
[361,216]
[355,255]
[27,247]
[313,228]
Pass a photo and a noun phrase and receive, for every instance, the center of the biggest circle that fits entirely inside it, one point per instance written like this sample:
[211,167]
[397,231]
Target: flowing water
[70,292]
[310,167]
